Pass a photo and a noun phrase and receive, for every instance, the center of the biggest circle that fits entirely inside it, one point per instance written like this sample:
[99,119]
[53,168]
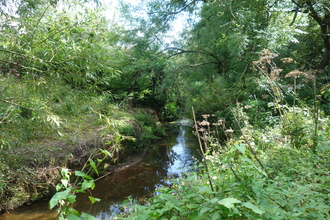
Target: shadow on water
[175,154]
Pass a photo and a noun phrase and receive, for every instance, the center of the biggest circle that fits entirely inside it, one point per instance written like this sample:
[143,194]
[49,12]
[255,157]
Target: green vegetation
[46,125]
[74,82]
[258,175]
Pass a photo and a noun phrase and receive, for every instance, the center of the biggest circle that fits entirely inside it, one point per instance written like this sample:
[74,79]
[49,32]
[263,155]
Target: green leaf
[93,165]
[203,210]
[73,217]
[216,216]
[105,152]
[87,216]
[253,207]
[241,148]
[79,173]
[214,200]
[59,187]
[87,184]
[247,160]
[59,196]
[297,214]
[65,173]
[65,182]
[228,202]
[82,174]
[93,200]
[192,206]
[72,198]
[204,189]
[193,215]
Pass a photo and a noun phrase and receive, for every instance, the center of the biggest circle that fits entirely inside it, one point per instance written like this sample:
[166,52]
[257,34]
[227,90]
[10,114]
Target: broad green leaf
[79,173]
[203,210]
[87,184]
[193,215]
[229,202]
[93,165]
[261,171]
[204,189]
[59,196]
[214,200]
[216,216]
[241,148]
[248,160]
[72,198]
[87,216]
[253,207]
[82,174]
[192,206]
[73,217]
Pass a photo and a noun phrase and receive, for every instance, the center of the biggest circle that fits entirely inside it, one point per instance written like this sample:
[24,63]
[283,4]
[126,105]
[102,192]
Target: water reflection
[182,155]
[175,155]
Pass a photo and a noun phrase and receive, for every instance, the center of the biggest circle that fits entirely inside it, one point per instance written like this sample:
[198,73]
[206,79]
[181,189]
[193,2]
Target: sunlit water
[176,154]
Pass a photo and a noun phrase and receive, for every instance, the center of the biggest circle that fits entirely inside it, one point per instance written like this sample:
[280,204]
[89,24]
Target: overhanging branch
[201,64]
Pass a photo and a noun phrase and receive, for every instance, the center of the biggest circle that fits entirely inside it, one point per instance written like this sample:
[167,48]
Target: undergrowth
[286,183]
[46,125]
[274,165]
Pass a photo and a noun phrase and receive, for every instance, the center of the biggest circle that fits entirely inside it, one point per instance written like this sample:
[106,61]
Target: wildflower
[206,116]
[287,60]
[204,123]
[295,74]
[230,130]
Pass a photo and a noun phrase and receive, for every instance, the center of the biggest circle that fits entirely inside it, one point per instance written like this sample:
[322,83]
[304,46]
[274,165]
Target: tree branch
[201,64]
[179,10]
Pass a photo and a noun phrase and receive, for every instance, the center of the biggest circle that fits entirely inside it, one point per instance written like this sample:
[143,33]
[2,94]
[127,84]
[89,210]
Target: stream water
[176,154]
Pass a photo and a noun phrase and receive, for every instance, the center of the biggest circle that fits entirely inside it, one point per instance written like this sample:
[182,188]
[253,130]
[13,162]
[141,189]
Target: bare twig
[201,148]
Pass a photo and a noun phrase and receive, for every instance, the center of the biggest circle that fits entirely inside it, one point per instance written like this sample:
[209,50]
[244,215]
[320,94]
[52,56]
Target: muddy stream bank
[138,178]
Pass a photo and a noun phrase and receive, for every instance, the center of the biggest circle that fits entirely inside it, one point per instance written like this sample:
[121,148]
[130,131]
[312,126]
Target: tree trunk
[326,40]
[324,24]
[325,61]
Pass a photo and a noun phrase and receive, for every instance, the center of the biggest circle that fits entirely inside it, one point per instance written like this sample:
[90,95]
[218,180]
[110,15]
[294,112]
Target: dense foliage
[65,91]
[260,68]
[267,153]
[279,171]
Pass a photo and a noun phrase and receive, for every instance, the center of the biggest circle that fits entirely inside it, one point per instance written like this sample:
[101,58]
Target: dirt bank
[37,178]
